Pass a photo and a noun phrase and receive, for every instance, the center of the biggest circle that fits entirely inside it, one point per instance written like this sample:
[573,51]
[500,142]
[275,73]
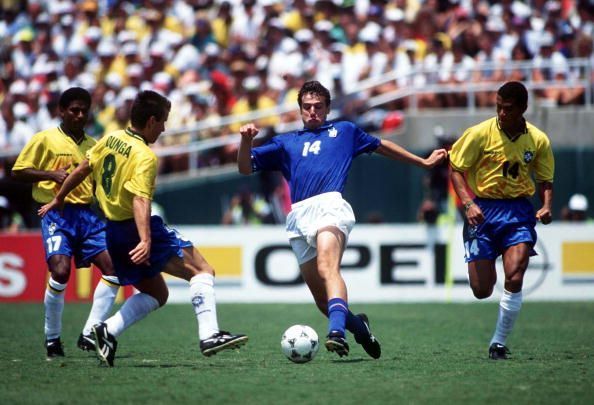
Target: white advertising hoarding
[387,263]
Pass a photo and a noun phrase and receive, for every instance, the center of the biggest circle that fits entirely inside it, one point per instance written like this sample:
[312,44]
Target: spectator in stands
[10,220]
[247,208]
[576,209]
[57,44]
[21,132]
[253,100]
[221,25]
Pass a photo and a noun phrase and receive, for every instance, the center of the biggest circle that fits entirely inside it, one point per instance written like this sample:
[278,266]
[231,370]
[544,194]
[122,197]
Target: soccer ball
[300,343]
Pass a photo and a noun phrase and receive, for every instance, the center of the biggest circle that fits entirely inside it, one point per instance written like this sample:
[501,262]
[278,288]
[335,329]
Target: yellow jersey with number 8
[498,167]
[123,166]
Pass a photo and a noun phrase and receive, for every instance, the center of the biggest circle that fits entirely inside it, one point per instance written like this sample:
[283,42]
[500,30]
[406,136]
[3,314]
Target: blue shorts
[74,232]
[122,237]
[507,223]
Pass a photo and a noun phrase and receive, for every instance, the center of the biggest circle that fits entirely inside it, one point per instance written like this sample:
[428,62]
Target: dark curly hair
[74,94]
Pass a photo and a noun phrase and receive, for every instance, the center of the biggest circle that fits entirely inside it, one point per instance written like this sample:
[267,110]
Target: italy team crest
[332,132]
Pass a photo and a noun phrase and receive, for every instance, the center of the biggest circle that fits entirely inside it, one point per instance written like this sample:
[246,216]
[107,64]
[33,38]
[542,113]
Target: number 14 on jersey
[309,147]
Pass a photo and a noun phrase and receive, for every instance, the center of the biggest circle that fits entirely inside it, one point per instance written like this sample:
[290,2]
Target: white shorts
[308,216]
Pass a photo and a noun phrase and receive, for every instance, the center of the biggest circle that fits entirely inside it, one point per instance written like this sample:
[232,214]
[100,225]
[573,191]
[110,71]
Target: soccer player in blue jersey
[76,231]
[496,160]
[315,161]
[141,245]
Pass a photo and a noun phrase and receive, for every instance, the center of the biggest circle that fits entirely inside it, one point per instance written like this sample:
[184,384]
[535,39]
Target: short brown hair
[313,87]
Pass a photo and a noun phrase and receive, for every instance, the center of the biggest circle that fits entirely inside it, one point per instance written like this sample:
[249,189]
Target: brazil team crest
[528,156]
[332,132]
[52,228]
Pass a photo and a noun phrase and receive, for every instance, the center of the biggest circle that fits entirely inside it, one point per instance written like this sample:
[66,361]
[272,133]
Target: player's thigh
[330,245]
[104,263]
[482,277]
[193,263]
[155,287]
[515,260]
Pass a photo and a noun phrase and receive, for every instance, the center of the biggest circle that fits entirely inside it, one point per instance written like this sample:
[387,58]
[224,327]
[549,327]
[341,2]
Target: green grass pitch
[432,353]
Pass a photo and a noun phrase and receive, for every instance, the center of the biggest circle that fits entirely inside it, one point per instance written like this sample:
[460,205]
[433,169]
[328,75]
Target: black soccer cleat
[497,351]
[220,341]
[54,348]
[105,344]
[370,344]
[86,343]
[337,343]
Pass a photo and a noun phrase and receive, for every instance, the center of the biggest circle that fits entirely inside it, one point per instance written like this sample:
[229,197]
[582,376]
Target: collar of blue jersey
[325,125]
[136,135]
[76,141]
[524,131]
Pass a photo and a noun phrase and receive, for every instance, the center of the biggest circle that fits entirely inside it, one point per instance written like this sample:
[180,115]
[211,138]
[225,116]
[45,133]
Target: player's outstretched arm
[244,155]
[71,182]
[545,191]
[30,175]
[142,217]
[397,152]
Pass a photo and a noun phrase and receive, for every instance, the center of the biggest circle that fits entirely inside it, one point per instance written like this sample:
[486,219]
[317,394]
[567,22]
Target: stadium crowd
[217,58]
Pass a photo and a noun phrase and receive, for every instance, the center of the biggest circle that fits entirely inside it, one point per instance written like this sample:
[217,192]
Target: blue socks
[337,315]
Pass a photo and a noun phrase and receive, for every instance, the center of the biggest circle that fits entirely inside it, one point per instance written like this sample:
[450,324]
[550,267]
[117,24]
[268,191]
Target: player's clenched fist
[436,157]
[248,131]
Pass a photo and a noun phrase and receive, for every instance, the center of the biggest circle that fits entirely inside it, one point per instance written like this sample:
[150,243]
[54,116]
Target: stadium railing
[578,73]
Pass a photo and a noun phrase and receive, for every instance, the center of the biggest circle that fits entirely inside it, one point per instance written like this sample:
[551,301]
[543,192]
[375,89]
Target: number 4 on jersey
[309,147]
[471,246]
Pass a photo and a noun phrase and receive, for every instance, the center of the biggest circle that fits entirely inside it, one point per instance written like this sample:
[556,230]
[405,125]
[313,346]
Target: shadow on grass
[350,360]
[191,366]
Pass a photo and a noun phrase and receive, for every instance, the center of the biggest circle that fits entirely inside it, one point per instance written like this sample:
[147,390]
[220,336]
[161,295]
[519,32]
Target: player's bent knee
[482,293]
[162,298]
[61,275]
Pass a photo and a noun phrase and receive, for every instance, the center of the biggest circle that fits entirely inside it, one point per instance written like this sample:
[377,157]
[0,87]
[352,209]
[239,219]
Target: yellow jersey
[123,167]
[53,149]
[497,167]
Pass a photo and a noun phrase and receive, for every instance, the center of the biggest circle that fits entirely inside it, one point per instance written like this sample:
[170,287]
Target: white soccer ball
[300,343]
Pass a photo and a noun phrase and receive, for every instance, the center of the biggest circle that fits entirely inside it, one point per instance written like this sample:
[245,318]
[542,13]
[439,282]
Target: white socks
[103,298]
[134,309]
[204,303]
[509,308]
[54,306]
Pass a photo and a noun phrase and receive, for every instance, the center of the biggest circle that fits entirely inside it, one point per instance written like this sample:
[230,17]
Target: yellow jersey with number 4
[51,150]
[123,167]
[498,167]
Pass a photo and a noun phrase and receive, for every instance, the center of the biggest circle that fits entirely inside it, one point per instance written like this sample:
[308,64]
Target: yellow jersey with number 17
[50,150]
[499,167]
[123,167]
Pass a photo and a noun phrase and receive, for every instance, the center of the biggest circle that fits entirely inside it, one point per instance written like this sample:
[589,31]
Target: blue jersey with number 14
[314,161]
